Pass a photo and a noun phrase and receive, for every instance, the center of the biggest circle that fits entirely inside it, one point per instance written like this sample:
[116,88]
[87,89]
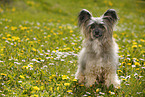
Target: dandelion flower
[82,85]
[3,74]
[137,63]
[36,88]
[128,63]
[110,3]
[21,76]
[64,77]
[134,46]
[69,91]
[97,90]
[66,84]
[74,80]
[123,79]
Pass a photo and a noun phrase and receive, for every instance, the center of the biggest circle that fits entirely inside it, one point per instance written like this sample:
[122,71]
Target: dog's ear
[110,16]
[84,16]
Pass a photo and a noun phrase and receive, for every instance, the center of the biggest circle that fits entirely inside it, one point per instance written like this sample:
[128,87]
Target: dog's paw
[81,79]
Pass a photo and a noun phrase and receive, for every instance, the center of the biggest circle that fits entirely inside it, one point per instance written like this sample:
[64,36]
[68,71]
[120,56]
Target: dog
[98,59]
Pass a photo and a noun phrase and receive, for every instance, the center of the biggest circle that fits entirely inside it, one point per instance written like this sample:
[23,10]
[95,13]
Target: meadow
[40,42]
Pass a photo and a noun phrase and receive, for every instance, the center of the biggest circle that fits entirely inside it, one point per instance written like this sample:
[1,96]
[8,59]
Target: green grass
[40,41]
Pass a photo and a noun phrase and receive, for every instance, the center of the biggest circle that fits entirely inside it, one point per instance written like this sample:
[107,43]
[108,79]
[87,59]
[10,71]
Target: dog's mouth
[96,34]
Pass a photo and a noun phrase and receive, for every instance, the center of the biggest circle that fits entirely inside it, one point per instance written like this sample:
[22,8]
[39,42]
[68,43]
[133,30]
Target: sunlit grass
[39,50]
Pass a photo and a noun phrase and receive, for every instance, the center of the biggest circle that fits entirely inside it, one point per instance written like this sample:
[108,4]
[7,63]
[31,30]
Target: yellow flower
[39,59]
[34,49]
[69,90]
[134,43]
[97,90]
[139,45]
[49,35]
[15,38]
[66,84]
[66,48]
[137,63]
[53,75]
[125,60]
[3,38]
[115,35]
[9,39]
[137,68]
[2,54]
[121,55]
[109,92]
[119,71]
[135,59]
[51,31]
[23,28]
[110,3]
[8,35]
[71,31]
[13,9]
[13,28]
[31,65]
[19,40]
[50,77]
[57,88]
[74,80]
[50,89]
[21,76]
[60,49]
[82,85]
[123,79]
[3,74]
[64,77]
[2,49]
[27,39]
[25,67]
[123,63]
[60,27]
[128,63]
[54,33]
[134,46]
[142,40]
[36,88]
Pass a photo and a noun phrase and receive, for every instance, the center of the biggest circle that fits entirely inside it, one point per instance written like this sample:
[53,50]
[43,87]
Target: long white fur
[98,58]
[96,65]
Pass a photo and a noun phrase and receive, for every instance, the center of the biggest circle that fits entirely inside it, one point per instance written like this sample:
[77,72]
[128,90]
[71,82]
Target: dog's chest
[98,59]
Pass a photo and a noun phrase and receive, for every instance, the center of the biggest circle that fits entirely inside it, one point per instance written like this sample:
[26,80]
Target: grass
[40,42]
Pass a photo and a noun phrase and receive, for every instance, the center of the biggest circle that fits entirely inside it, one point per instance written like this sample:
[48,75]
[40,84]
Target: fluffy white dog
[98,58]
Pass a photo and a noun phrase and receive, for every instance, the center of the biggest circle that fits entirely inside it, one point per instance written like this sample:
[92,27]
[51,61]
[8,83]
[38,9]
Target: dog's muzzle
[97,33]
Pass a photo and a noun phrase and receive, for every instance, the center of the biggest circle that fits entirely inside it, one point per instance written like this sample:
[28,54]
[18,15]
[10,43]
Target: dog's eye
[93,26]
[101,26]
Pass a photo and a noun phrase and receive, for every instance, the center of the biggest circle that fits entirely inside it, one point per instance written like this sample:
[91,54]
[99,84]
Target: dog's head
[97,27]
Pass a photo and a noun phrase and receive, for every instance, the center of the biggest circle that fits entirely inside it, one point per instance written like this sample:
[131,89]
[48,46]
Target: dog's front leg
[90,80]
[80,75]
[112,78]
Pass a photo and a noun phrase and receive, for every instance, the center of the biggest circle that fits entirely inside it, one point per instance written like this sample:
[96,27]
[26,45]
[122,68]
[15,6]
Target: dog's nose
[96,32]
